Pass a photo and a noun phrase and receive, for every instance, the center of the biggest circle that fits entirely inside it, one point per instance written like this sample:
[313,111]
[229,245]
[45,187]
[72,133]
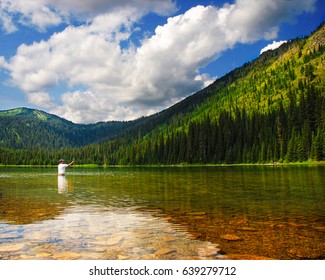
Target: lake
[231,212]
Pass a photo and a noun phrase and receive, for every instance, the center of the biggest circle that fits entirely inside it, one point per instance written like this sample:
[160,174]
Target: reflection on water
[64,185]
[95,232]
[163,213]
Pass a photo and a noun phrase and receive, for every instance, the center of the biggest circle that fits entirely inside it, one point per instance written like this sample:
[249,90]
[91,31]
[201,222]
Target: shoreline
[305,163]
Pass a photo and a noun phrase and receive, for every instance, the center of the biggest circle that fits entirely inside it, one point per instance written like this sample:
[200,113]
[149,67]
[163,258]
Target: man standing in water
[62,166]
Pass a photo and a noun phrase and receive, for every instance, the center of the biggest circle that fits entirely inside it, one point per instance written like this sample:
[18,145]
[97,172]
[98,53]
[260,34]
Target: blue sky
[100,60]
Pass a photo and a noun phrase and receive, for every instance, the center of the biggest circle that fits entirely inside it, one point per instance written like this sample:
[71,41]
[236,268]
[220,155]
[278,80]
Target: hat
[61,160]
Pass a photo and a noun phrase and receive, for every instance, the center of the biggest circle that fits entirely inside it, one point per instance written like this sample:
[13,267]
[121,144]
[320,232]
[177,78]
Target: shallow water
[163,213]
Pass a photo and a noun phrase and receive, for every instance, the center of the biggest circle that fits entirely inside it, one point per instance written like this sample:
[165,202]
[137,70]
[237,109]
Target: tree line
[293,135]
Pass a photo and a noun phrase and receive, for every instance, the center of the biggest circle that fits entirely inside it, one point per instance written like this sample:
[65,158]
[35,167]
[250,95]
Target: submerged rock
[247,229]
[305,253]
[319,228]
[196,213]
[12,247]
[209,251]
[246,257]
[67,256]
[231,237]
[165,251]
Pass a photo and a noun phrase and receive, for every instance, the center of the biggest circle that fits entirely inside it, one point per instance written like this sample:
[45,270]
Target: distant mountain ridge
[24,128]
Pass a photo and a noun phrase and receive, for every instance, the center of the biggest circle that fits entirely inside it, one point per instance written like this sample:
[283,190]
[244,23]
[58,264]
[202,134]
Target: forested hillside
[26,129]
[268,110]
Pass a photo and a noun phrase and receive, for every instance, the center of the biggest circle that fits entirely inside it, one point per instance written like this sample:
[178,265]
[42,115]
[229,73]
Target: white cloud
[46,13]
[95,7]
[6,22]
[252,20]
[3,62]
[42,99]
[87,107]
[102,81]
[32,13]
[273,46]
[206,79]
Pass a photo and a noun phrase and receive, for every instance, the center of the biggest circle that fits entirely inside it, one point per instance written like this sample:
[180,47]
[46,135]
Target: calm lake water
[163,213]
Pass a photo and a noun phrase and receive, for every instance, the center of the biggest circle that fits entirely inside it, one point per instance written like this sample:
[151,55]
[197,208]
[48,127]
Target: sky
[101,60]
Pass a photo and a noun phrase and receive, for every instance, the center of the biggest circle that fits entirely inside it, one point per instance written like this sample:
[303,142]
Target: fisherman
[62,166]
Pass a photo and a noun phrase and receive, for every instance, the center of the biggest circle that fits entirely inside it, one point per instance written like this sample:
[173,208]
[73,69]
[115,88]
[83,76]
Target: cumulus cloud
[254,19]
[6,22]
[104,81]
[42,99]
[273,46]
[33,13]
[3,62]
[206,79]
[42,14]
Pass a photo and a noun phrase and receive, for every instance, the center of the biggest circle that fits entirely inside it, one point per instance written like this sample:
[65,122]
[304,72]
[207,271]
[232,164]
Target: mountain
[24,128]
[269,110]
